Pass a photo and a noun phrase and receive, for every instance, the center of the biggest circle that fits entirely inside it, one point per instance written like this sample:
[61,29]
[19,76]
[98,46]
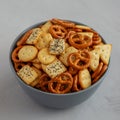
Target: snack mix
[61,57]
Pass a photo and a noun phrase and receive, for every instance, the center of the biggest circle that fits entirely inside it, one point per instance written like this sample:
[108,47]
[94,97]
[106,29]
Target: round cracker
[27,53]
[45,57]
[43,40]
[84,78]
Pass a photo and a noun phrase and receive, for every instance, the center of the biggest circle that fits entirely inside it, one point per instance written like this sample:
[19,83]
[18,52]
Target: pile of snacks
[61,56]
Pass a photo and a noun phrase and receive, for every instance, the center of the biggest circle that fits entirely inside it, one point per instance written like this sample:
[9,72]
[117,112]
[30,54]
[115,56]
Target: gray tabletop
[102,15]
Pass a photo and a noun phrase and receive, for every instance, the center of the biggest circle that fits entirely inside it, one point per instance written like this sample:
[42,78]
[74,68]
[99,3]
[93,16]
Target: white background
[17,15]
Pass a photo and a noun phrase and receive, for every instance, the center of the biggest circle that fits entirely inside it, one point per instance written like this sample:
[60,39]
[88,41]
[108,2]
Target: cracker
[54,69]
[57,46]
[27,53]
[64,57]
[37,65]
[27,74]
[36,81]
[84,78]
[105,52]
[66,45]
[44,40]
[45,57]
[36,60]
[34,37]
[39,72]
[95,58]
[46,26]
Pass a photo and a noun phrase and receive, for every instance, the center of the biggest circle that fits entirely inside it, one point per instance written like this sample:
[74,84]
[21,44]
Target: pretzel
[76,85]
[57,31]
[96,38]
[43,82]
[79,60]
[104,68]
[77,29]
[72,70]
[19,65]
[97,71]
[64,23]
[61,84]
[24,38]
[80,41]
[69,33]
[15,54]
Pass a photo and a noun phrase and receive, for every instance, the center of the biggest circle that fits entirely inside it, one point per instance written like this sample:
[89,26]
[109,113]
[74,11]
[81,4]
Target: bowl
[53,100]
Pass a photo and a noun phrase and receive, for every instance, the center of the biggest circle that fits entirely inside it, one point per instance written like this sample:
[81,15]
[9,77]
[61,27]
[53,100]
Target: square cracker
[36,81]
[27,74]
[44,40]
[54,69]
[34,37]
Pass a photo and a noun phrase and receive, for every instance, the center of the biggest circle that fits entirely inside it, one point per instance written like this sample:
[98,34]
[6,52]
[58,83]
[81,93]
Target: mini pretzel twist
[15,54]
[58,31]
[80,41]
[69,34]
[72,70]
[66,24]
[104,68]
[96,38]
[24,38]
[61,84]
[76,84]
[43,82]
[79,60]
[97,71]
[19,65]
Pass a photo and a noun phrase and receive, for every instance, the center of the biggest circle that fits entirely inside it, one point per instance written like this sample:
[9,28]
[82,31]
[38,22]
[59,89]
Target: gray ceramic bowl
[50,99]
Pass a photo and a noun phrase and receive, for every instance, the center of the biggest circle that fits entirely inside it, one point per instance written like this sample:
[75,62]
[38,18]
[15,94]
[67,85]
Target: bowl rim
[43,92]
